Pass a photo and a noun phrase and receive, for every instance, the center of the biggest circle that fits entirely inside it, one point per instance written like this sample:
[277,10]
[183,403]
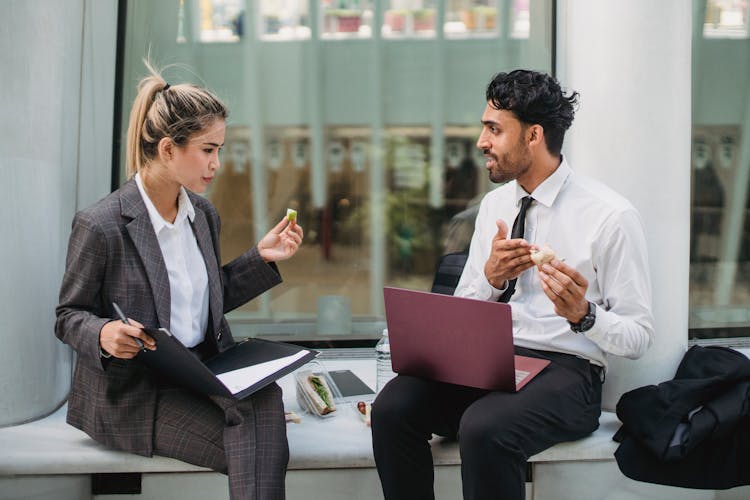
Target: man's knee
[485,434]
[395,404]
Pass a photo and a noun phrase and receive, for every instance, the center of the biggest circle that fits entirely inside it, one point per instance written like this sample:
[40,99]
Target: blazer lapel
[206,245]
[142,233]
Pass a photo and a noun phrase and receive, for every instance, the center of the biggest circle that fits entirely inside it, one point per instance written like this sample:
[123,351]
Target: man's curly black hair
[535,98]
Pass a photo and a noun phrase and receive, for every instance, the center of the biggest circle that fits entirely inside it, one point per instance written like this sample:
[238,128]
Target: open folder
[238,372]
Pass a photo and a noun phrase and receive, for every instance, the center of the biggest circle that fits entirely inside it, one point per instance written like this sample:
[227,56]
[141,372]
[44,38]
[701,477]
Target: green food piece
[322,392]
[291,214]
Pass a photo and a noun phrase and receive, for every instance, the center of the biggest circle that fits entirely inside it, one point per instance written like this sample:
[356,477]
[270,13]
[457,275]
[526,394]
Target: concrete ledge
[596,447]
[51,446]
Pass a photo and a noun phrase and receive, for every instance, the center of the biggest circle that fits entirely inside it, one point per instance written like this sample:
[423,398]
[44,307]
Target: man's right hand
[118,339]
[508,258]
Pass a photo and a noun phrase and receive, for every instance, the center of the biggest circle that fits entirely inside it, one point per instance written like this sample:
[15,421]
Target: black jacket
[692,431]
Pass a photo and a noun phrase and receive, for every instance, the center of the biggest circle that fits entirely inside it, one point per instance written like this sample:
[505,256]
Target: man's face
[503,143]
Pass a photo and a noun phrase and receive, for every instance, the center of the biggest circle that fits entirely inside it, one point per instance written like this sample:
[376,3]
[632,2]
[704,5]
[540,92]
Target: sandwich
[317,394]
[542,255]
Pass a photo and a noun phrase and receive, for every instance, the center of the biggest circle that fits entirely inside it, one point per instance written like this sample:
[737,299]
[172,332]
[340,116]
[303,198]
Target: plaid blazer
[114,256]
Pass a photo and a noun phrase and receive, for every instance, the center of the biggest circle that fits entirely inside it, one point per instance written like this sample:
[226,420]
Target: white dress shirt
[596,231]
[188,278]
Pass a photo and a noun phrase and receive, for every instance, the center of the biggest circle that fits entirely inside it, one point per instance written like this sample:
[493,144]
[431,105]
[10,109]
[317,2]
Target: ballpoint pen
[124,319]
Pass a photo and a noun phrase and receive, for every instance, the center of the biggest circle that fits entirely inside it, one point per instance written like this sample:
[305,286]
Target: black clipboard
[178,363]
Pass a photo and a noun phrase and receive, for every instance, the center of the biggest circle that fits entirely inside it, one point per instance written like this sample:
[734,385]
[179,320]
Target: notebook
[456,340]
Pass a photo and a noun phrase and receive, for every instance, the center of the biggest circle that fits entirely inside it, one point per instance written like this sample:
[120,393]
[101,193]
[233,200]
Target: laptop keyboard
[520,375]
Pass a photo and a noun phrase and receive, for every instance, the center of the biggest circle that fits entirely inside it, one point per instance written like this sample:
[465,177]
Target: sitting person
[152,247]
[573,312]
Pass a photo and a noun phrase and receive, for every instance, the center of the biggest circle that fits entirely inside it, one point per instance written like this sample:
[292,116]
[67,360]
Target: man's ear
[165,148]
[535,135]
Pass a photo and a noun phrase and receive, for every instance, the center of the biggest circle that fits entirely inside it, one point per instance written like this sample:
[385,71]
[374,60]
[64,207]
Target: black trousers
[497,431]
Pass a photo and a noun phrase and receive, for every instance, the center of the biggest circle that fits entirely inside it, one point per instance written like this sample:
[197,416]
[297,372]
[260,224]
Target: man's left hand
[566,288]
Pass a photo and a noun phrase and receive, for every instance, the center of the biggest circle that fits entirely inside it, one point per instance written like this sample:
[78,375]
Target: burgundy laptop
[456,340]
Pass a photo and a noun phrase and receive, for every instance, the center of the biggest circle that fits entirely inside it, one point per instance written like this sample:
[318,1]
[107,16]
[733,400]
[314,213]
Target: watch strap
[586,322]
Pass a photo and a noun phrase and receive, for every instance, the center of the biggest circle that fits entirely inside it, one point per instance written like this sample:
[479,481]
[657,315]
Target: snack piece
[542,255]
[364,411]
[319,394]
[291,215]
[290,416]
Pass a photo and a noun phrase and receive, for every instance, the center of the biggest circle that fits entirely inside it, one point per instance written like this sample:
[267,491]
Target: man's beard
[513,168]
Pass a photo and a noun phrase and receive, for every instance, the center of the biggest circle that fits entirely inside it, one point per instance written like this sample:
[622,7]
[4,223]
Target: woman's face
[195,164]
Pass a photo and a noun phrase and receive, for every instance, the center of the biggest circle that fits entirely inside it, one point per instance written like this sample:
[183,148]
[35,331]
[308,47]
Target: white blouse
[188,278]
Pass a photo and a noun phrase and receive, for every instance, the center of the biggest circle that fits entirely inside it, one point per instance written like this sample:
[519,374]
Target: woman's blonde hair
[161,110]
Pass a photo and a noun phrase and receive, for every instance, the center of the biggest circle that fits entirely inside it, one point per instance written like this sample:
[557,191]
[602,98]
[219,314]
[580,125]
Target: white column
[53,160]
[630,61]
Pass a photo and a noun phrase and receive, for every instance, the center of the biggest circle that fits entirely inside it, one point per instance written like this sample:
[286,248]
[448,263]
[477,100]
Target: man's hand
[118,339]
[508,258]
[566,288]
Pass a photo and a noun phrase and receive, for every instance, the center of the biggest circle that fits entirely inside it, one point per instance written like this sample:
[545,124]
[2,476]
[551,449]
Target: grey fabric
[250,434]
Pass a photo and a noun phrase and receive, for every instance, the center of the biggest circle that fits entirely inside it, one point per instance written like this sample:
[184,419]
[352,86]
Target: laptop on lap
[456,340]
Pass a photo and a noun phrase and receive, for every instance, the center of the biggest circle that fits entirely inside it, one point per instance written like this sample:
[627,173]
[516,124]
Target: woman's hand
[281,242]
[118,339]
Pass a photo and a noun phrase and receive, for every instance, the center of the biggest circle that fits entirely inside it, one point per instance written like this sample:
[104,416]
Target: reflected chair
[448,272]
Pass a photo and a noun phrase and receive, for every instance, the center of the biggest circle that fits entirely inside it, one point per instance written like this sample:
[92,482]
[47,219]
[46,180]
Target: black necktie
[518,228]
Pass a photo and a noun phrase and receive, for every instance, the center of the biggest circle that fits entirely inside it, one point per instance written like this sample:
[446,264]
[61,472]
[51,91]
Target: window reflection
[720,226]
[726,19]
[221,20]
[372,143]
[281,20]
[410,18]
[467,18]
[346,19]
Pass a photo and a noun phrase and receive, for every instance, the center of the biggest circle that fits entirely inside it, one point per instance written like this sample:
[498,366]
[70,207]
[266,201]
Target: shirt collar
[546,192]
[184,207]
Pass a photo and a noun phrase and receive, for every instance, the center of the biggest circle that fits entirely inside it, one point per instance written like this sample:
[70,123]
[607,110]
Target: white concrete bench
[331,459]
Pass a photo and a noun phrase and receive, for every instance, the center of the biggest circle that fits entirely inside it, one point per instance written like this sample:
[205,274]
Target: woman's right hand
[118,339]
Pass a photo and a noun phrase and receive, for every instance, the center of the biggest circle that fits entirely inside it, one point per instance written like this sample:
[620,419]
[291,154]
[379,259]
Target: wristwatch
[586,322]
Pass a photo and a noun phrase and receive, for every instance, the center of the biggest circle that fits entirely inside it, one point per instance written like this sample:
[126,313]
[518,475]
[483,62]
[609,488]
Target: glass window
[726,19]
[346,19]
[282,20]
[471,18]
[720,226]
[369,135]
[220,20]
[410,18]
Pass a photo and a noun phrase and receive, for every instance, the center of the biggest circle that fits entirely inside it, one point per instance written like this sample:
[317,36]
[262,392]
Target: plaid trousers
[245,439]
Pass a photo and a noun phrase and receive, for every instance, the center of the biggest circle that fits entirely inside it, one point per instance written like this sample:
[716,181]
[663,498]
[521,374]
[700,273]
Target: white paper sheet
[239,380]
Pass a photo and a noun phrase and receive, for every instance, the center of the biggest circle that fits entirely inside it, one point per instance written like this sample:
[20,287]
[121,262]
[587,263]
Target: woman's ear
[165,148]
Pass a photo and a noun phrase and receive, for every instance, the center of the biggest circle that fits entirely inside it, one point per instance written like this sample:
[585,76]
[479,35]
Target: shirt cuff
[495,293]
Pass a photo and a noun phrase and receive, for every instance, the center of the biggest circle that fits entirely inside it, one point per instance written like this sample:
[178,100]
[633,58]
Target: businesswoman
[152,247]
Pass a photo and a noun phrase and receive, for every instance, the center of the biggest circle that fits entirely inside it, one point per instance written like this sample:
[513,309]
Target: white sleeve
[624,322]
